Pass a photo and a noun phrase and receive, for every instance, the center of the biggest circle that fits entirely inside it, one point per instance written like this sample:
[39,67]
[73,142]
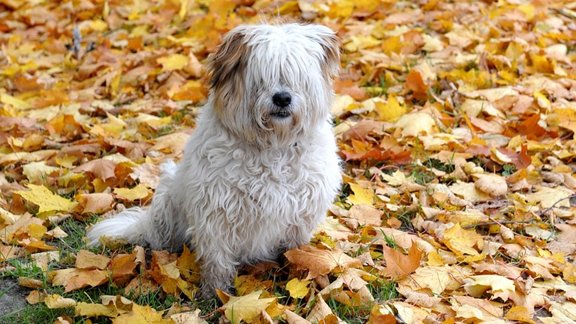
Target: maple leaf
[321,312]
[142,315]
[500,286]
[297,288]
[101,168]
[319,262]
[94,203]
[462,241]
[57,301]
[415,83]
[73,279]
[46,200]
[173,62]
[88,260]
[398,265]
[92,310]
[131,194]
[245,308]
[123,267]
[415,124]
[361,195]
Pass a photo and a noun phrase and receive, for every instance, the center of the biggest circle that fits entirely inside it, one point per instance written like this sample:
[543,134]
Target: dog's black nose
[282,99]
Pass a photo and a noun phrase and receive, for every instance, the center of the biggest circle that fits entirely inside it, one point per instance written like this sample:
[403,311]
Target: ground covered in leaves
[455,120]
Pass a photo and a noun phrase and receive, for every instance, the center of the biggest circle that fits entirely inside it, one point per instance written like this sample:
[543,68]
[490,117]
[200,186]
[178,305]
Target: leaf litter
[456,122]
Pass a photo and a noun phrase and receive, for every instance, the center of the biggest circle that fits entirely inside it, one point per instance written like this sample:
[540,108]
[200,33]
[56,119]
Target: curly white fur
[257,177]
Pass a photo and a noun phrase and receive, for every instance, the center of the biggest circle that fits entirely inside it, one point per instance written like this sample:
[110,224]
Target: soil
[12,297]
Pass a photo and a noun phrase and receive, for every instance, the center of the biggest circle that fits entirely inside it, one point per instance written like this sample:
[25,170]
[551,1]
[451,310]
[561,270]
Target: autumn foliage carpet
[456,121]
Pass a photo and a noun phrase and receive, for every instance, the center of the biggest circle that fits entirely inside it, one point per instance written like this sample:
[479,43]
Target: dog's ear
[229,57]
[331,45]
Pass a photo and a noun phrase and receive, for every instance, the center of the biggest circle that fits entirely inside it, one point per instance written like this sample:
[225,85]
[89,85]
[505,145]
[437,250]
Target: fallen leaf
[142,315]
[319,262]
[297,288]
[245,308]
[45,199]
[57,301]
[399,265]
[88,260]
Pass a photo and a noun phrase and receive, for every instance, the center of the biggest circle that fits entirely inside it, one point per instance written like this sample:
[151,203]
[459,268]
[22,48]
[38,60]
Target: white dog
[261,169]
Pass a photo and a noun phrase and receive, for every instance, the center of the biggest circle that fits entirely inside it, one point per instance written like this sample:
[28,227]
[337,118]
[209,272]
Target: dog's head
[271,84]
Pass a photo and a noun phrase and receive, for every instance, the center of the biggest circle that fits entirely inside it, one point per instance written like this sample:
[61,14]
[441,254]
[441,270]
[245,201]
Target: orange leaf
[415,83]
[320,262]
[398,265]
[101,168]
[88,260]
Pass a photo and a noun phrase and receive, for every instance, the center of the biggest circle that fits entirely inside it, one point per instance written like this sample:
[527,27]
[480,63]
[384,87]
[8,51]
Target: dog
[261,169]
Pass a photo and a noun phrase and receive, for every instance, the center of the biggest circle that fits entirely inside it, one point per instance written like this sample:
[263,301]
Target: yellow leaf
[468,191]
[520,314]
[183,9]
[173,62]
[73,278]
[132,194]
[92,310]
[548,197]
[542,101]
[142,315]
[499,286]
[297,288]
[361,195]
[390,111]
[528,10]
[396,179]
[36,230]
[434,259]
[88,260]
[462,241]
[392,45]
[564,117]
[57,301]
[416,123]
[98,25]
[38,171]
[45,199]
[13,101]
[245,308]
[115,83]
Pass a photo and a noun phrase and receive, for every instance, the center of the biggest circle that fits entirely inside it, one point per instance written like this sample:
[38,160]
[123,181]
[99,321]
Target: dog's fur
[257,176]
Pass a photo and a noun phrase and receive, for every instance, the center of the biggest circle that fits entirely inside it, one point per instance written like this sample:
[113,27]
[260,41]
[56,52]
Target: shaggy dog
[261,169]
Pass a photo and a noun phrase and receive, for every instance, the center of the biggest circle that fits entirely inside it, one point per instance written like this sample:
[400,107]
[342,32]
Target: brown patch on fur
[228,59]
[331,45]
[227,68]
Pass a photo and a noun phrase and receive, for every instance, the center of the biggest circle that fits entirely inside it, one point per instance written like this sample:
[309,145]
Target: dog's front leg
[297,236]
[218,272]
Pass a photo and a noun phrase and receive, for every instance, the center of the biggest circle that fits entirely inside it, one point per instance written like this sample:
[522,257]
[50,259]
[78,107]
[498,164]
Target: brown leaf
[415,83]
[73,279]
[398,265]
[94,203]
[100,168]
[319,262]
[88,260]
[123,267]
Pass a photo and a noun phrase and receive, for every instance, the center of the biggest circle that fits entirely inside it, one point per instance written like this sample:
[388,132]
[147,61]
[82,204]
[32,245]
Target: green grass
[38,313]
[69,247]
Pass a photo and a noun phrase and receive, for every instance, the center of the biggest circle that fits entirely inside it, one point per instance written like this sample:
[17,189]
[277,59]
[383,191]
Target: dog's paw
[209,291]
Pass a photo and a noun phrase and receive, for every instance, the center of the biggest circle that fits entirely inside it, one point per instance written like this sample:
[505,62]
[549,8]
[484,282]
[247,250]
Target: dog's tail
[128,225]
[154,226]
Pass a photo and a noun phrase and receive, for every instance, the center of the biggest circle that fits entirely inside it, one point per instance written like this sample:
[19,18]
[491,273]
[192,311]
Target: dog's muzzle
[281,101]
